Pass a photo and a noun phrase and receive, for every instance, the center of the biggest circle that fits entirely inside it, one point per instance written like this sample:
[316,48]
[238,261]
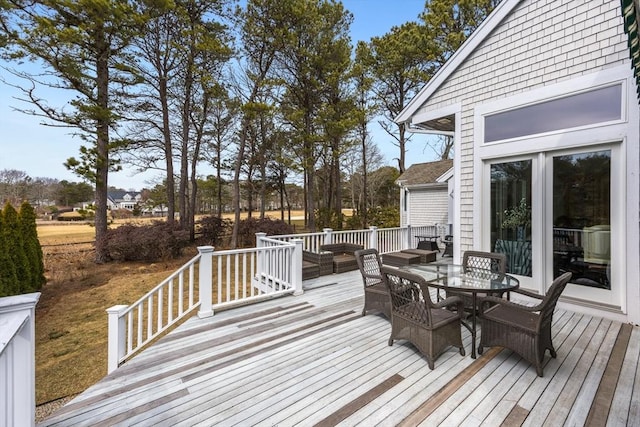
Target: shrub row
[21,260]
[213,229]
[159,240]
[152,242]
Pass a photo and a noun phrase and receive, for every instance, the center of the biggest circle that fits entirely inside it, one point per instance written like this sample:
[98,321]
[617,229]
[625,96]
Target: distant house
[123,200]
[542,103]
[426,194]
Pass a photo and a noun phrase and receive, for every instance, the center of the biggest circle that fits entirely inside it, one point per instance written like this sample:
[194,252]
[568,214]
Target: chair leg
[430,363]
[462,352]
[390,342]
[364,311]
[480,349]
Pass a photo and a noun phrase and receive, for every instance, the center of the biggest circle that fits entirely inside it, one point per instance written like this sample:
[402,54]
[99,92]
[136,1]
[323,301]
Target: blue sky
[40,150]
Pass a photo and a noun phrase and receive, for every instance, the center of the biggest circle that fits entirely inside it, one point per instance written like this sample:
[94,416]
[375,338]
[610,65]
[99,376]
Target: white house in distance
[542,102]
[123,199]
[426,194]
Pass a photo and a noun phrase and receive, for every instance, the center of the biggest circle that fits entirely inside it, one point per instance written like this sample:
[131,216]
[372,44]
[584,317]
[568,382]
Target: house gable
[425,173]
[523,45]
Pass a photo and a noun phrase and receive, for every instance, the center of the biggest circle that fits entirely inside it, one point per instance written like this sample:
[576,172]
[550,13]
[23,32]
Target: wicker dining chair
[524,329]
[480,261]
[429,326]
[376,294]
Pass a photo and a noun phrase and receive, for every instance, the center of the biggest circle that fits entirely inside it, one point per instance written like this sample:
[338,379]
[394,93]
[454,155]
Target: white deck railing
[215,280]
[17,360]
[211,280]
[383,239]
[132,327]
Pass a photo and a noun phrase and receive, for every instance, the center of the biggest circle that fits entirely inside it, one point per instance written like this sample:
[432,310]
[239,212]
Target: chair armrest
[450,302]
[528,294]
[495,300]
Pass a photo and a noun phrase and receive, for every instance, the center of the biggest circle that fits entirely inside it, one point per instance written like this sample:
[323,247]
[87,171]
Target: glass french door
[510,210]
[551,213]
[580,218]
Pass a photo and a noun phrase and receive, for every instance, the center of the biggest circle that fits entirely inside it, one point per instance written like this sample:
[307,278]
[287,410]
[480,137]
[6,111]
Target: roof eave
[474,40]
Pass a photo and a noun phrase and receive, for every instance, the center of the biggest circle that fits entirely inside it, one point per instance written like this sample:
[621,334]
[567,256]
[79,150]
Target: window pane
[582,217]
[596,106]
[511,214]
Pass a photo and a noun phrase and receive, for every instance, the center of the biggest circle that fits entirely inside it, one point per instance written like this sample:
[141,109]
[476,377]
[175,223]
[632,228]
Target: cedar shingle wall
[539,43]
[429,207]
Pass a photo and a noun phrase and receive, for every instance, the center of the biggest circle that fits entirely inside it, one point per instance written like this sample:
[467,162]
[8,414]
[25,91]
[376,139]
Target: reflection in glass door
[582,218]
[511,214]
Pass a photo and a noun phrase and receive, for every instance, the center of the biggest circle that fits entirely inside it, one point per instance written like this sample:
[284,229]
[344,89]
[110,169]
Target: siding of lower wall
[429,207]
[540,43]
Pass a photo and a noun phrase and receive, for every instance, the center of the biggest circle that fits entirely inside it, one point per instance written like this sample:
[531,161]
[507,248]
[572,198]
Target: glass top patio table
[468,280]
[471,280]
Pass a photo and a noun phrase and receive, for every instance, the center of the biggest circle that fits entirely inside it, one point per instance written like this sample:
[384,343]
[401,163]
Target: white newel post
[328,237]
[407,242]
[205,281]
[261,259]
[296,273]
[17,359]
[373,237]
[115,337]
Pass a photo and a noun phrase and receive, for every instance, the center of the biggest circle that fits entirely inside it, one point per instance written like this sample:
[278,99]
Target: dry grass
[71,318]
[71,321]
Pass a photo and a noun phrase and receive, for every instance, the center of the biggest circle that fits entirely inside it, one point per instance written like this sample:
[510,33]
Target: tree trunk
[102,148]
[168,153]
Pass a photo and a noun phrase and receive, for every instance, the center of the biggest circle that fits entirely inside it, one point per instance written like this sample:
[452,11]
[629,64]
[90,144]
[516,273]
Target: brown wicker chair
[480,261]
[524,329]
[376,294]
[415,317]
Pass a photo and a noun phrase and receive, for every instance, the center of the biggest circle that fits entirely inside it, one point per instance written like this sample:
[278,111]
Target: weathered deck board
[314,360]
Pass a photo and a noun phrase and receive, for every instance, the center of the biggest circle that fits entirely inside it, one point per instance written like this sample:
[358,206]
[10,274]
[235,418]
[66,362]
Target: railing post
[116,338]
[328,237]
[296,266]
[17,357]
[205,281]
[373,237]
[407,242]
[260,256]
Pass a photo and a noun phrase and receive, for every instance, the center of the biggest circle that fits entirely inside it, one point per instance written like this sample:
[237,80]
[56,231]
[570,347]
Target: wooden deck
[314,360]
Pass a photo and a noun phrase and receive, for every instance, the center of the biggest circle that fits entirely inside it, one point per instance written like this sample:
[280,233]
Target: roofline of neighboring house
[424,186]
[446,176]
[449,67]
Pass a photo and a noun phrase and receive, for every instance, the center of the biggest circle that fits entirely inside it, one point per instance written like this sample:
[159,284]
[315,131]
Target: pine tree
[8,278]
[15,249]
[32,247]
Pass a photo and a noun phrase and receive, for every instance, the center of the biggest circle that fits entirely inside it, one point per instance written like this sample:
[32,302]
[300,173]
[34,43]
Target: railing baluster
[236,275]
[191,283]
[150,316]
[140,324]
[228,278]
[219,280]
[180,294]
[129,331]
[160,301]
[170,302]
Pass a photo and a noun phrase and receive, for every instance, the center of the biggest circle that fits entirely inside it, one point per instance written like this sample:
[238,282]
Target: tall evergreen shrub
[15,248]
[32,247]
[8,278]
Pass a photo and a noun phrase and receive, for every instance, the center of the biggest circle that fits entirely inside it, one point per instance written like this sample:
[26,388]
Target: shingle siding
[429,207]
[539,43]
